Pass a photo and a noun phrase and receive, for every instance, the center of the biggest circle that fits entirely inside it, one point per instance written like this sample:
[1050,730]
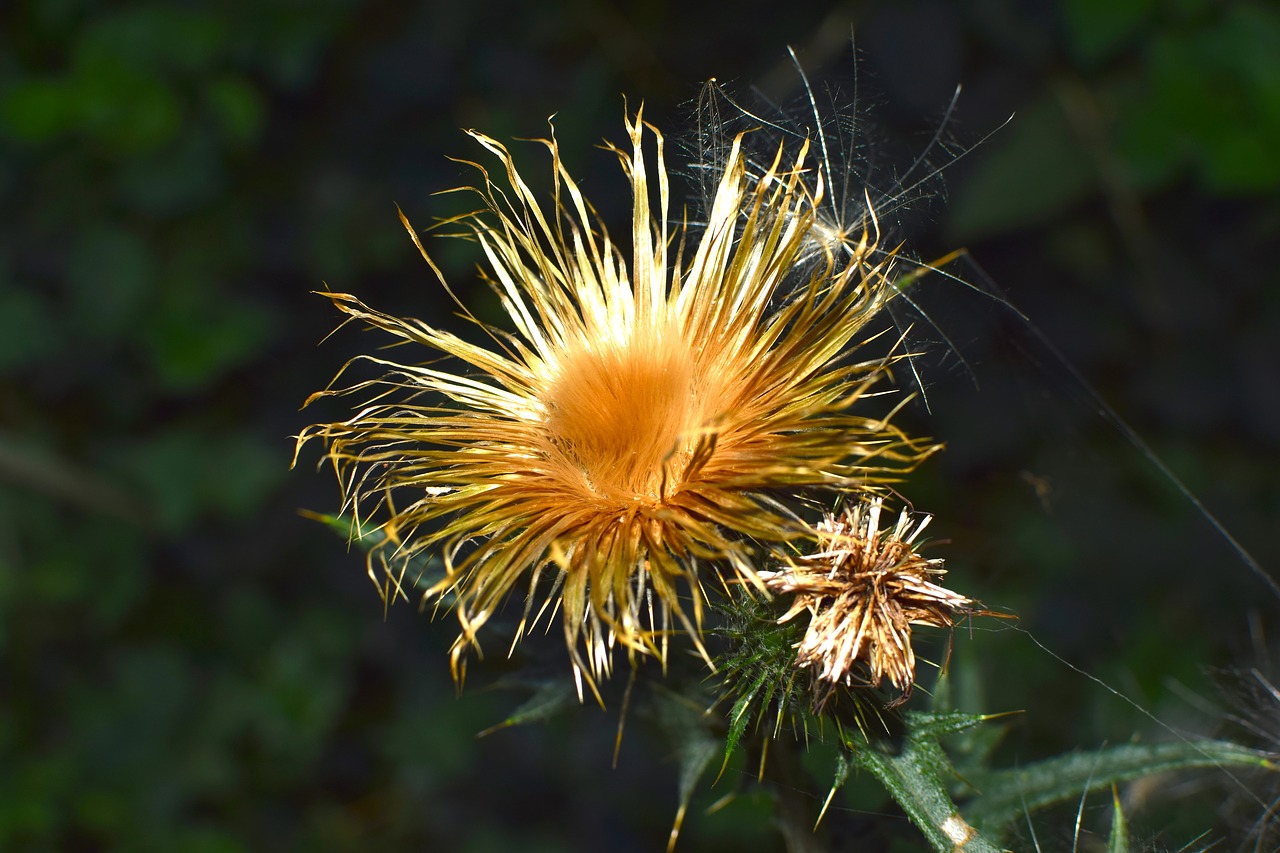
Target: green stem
[794,812]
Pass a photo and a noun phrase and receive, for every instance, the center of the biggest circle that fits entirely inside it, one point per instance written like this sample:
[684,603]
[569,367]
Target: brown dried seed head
[863,589]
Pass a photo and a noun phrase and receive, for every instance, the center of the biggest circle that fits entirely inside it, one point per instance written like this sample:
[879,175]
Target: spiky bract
[863,589]
[649,425]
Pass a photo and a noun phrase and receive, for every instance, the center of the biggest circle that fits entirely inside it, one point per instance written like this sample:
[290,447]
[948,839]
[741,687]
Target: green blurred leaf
[111,273]
[1153,151]
[304,698]
[108,585]
[154,36]
[697,748]
[1097,28]
[290,40]
[37,110]
[55,14]
[169,466]
[1189,9]
[549,698]
[303,681]
[1247,40]
[961,686]
[175,180]
[35,790]
[206,840]
[686,725]
[1241,160]
[103,810]
[29,329]
[429,739]
[1241,156]
[189,471]
[126,109]
[1032,171]
[198,336]
[243,470]
[238,108]
[146,705]
[1211,100]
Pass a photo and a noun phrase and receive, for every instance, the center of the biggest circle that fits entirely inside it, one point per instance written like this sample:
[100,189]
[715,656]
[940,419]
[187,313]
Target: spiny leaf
[696,750]
[739,717]
[758,666]
[425,570]
[841,775]
[916,773]
[1006,795]
[922,724]
[973,747]
[1118,840]
[689,728]
[549,698]
[344,527]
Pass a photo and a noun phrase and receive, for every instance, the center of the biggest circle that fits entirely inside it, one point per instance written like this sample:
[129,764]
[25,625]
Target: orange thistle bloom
[863,590]
[646,420]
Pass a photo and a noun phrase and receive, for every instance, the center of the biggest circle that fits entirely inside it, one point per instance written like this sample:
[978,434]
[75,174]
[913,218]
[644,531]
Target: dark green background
[187,664]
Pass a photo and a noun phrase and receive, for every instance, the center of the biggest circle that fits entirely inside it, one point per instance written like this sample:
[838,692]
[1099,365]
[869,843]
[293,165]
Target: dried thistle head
[648,423]
[863,590]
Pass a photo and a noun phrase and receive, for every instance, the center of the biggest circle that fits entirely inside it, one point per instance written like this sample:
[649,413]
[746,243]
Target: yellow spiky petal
[647,424]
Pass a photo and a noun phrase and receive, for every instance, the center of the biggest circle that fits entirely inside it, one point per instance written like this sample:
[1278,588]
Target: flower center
[625,416]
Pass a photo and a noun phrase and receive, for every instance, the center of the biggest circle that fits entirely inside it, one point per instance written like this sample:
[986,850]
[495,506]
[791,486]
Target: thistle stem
[794,813]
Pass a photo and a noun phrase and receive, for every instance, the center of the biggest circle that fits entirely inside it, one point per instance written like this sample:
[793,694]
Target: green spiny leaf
[740,717]
[843,767]
[689,727]
[916,773]
[923,724]
[426,570]
[1008,794]
[549,698]
[1118,840]
[695,751]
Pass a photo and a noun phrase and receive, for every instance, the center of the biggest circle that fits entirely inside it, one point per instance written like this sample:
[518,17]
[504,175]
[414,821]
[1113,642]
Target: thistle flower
[647,426]
[863,589]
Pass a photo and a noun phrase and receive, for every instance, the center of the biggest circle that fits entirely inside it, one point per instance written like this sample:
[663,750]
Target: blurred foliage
[191,666]
[1173,90]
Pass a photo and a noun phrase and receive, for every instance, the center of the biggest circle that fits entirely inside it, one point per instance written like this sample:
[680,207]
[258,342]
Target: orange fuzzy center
[624,418]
